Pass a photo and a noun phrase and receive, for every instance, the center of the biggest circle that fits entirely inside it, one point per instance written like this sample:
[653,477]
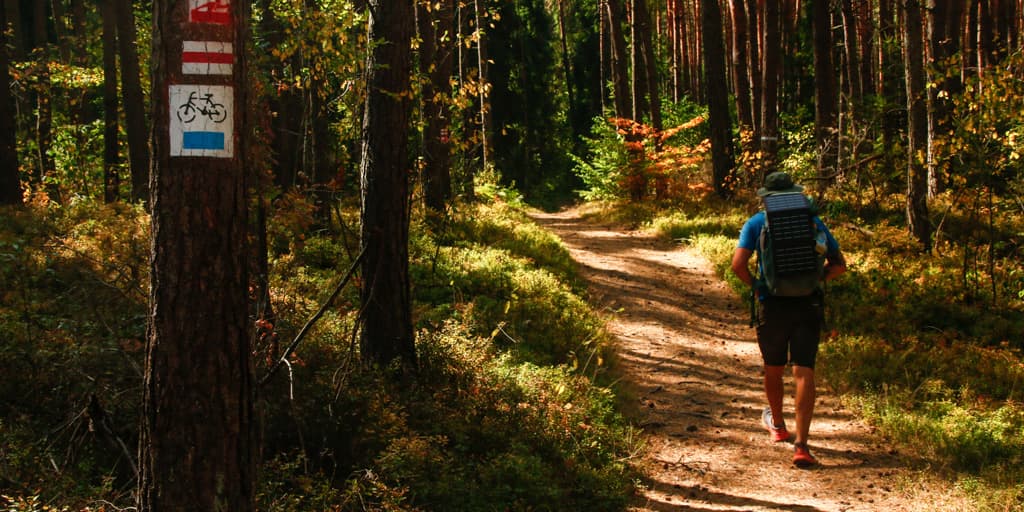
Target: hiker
[789,321]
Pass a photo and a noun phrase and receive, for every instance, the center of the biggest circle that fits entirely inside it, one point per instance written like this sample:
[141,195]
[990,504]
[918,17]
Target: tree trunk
[770,103]
[917,122]
[620,74]
[134,113]
[44,112]
[740,77]
[638,75]
[889,86]
[61,31]
[485,105]
[650,65]
[754,66]
[197,442]
[436,59]
[718,98]
[387,332]
[826,103]
[943,20]
[854,81]
[10,177]
[111,156]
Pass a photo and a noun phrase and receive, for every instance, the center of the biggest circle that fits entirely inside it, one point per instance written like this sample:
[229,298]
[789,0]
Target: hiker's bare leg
[804,401]
[773,391]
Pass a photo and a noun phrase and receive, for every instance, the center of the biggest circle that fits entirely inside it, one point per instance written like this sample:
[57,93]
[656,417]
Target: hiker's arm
[740,265]
[835,266]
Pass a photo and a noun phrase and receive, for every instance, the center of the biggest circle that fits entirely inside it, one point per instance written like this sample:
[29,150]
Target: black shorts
[789,329]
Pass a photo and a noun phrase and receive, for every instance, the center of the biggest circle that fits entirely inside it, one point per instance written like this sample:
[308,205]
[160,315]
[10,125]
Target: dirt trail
[691,362]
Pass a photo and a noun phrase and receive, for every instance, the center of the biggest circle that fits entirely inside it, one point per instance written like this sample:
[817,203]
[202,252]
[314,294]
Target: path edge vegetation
[939,375]
[512,406]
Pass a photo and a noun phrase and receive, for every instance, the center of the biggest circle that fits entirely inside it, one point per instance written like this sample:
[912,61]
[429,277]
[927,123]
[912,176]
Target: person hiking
[789,318]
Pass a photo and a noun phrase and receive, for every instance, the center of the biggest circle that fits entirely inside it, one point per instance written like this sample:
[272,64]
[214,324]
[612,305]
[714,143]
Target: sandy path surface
[691,363]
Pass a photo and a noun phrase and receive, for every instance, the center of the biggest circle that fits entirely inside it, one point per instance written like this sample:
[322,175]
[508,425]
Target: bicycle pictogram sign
[212,110]
[201,120]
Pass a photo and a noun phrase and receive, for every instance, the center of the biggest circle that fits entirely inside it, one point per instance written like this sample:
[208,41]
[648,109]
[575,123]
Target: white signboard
[202,120]
[206,58]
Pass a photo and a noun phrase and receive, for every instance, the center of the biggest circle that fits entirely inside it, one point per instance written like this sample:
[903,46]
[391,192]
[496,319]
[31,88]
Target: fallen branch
[309,323]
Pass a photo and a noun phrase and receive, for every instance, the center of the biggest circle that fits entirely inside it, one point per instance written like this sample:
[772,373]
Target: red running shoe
[778,434]
[802,457]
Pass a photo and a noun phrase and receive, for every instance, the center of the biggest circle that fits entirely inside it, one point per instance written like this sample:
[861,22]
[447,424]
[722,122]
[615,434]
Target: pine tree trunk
[485,107]
[44,111]
[197,442]
[754,59]
[436,59]
[740,77]
[770,103]
[620,74]
[650,65]
[387,333]
[917,122]
[825,100]
[111,156]
[718,97]
[135,128]
[10,177]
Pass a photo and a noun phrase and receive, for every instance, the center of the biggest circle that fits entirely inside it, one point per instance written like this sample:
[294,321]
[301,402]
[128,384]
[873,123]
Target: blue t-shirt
[751,232]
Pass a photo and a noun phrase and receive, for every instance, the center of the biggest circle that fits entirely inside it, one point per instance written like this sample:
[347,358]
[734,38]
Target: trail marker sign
[217,12]
[202,120]
[206,58]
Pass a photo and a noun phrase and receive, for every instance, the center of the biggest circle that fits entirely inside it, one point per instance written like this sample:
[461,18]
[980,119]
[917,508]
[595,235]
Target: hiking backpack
[792,247]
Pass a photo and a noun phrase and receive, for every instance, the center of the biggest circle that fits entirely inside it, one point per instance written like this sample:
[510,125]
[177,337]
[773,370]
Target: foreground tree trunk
[10,178]
[196,448]
[387,332]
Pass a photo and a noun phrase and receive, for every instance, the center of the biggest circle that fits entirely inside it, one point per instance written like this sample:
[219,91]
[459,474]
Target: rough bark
[387,333]
[197,438]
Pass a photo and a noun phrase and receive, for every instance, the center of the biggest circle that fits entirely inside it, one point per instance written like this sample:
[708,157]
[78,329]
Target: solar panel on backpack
[791,229]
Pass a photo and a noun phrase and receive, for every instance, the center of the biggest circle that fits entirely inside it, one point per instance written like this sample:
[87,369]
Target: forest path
[691,366]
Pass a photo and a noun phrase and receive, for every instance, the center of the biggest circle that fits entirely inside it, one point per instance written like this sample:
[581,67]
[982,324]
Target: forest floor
[691,371]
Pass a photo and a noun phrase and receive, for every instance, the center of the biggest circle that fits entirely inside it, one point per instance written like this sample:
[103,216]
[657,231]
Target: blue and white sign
[202,120]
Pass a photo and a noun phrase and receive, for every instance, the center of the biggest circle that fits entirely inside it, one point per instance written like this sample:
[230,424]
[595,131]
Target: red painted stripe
[208,57]
[218,18]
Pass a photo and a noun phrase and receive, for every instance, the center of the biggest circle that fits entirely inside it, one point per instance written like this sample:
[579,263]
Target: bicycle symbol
[187,112]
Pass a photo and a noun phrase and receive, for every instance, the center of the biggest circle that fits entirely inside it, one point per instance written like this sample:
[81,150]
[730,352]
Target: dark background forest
[408,339]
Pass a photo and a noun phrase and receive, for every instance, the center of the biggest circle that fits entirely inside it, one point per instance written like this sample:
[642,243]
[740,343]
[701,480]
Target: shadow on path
[690,366]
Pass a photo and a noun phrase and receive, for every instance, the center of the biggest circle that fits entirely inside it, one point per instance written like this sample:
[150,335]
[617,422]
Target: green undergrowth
[926,347]
[510,410]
